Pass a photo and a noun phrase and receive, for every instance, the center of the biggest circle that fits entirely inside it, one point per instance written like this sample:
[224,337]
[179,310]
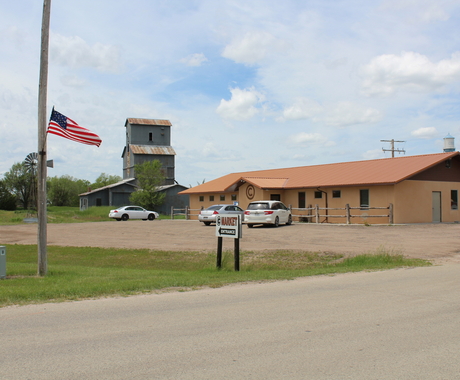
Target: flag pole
[41,182]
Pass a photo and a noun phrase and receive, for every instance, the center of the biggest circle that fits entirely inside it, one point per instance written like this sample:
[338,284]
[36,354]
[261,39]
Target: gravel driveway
[437,242]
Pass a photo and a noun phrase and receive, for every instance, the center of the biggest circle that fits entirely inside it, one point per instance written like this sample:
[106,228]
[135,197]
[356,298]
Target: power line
[393,150]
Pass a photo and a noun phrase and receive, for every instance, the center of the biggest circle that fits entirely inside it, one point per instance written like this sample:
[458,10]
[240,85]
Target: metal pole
[41,173]
[219,252]
[237,254]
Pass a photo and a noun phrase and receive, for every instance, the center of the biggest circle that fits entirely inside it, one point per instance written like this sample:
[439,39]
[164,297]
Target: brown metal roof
[267,183]
[147,122]
[152,149]
[385,171]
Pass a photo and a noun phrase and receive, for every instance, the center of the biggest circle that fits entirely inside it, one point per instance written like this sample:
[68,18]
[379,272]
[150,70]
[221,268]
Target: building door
[436,206]
[302,199]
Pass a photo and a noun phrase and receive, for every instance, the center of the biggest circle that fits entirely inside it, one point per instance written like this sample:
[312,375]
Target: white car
[132,212]
[267,212]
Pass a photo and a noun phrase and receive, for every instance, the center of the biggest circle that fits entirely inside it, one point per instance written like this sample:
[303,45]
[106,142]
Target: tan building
[412,189]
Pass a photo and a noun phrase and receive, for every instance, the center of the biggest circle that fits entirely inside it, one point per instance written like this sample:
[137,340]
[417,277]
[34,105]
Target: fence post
[317,213]
[390,216]
[172,212]
[186,212]
[347,208]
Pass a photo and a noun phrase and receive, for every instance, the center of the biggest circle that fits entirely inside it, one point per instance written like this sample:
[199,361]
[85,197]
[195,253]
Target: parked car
[208,216]
[132,212]
[267,212]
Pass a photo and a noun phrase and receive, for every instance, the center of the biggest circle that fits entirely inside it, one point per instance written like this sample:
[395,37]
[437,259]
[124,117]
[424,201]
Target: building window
[201,198]
[222,197]
[234,197]
[211,198]
[275,197]
[150,136]
[336,193]
[318,194]
[302,199]
[364,198]
[454,199]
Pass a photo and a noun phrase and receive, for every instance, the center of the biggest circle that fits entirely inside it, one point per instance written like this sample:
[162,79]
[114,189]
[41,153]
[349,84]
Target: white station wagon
[267,212]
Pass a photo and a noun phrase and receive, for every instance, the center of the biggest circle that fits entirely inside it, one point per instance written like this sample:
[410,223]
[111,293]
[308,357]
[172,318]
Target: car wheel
[277,222]
[207,223]
[289,222]
[125,217]
[151,216]
[250,225]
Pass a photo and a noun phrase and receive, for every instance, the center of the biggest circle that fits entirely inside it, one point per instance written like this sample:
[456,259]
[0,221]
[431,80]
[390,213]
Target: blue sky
[247,85]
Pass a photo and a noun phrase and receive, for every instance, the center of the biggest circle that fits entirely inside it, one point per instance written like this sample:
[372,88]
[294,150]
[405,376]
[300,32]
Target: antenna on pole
[393,150]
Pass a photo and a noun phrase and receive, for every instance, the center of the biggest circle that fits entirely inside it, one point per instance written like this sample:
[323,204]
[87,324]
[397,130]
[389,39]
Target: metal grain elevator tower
[148,140]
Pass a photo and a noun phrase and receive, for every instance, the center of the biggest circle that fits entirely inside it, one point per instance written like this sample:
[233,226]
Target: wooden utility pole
[393,150]
[41,173]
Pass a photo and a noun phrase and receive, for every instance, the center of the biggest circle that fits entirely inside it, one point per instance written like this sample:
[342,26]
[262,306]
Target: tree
[105,180]
[18,181]
[149,176]
[7,200]
[64,190]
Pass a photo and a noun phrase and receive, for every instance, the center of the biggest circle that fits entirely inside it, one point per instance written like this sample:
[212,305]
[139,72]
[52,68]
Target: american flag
[63,126]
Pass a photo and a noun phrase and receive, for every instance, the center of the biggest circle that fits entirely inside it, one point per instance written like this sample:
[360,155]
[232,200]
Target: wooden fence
[188,212]
[311,214]
[318,214]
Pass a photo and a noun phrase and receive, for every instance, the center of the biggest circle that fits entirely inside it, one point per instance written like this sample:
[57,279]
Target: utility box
[2,262]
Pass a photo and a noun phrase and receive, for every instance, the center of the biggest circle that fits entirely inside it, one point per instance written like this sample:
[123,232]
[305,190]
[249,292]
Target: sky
[246,84]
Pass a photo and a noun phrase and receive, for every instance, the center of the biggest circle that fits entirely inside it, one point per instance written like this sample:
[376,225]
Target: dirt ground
[439,243]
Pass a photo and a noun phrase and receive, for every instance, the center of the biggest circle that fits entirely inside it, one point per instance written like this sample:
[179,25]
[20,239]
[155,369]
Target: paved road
[398,324]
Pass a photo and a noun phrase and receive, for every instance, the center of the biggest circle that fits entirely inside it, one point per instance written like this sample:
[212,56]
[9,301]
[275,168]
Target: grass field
[63,215]
[85,272]
[76,273]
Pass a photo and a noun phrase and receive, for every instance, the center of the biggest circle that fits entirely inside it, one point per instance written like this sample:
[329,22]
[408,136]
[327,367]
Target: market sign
[229,226]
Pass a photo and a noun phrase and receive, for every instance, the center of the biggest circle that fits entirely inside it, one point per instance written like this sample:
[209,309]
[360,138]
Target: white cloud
[388,73]
[419,10]
[304,138]
[242,105]
[340,115]
[13,34]
[304,57]
[347,113]
[75,52]
[196,59]
[373,154]
[303,108]
[425,133]
[252,48]
[73,81]
[209,150]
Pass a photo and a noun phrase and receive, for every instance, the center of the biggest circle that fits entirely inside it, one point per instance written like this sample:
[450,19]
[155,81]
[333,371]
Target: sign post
[230,227]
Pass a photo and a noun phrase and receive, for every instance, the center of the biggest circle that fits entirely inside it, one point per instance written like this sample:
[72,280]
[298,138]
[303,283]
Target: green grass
[64,215]
[80,273]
